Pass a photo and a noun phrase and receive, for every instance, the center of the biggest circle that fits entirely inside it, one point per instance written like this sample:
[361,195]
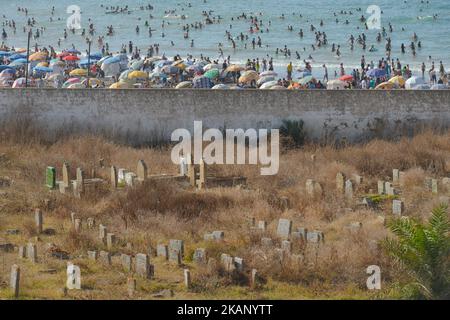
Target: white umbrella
[413,81]
[336,85]
[269,85]
[265,79]
[220,86]
[268,74]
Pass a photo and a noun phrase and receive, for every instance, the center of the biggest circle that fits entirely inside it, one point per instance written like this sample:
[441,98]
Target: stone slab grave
[315,236]
[398,207]
[176,250]
[284,228]
[215,235]
[77,187]
[162,251]
[143,267]
[200,256]
[313,188]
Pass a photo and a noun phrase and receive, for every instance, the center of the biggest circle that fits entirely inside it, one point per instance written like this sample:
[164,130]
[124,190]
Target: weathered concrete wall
[145,115]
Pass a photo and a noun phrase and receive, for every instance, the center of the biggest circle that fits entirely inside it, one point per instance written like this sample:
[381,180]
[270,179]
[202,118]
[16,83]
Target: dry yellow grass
[155,212]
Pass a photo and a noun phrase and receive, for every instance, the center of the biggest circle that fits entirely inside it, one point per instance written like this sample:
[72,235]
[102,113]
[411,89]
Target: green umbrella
[212,74]
[305,80]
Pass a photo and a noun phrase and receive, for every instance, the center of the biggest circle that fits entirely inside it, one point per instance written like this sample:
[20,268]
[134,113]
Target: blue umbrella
[73,51]
[43,69]
[111,60]
[376,73]
[163,63]
[18,62]
[5,53]
[16,56]
[85,62]
[4,67]
[96,56]
[9,71]
[203,83]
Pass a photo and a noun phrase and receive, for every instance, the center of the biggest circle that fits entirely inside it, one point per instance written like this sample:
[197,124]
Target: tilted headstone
[114,178]
[142,170]
[105,257]
[143,266]
[126,262]
[73,277]
[200,256]
[38,218]
[349,189]
[15,280]
[32,252]
[340,182]
[110,240]
[187,278]
[66,174]
[162,251]
[50,177]
[284,228]
[398,207]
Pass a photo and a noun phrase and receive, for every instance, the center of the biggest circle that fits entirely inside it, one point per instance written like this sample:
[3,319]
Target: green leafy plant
[424,252]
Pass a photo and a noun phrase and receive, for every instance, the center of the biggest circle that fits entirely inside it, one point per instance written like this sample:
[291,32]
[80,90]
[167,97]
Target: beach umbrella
[305,80]
[5,54]
[136,65]
[43,69]
[111,69]
[385,86]
[71,81]
[220,86]
[138,75]
[78,73]
[92,82]
[63,54]
[120,85]
[20,83]
[85,62]
[168,69]
[7,73]
[439,86]
[96,56]
[157,75]
[203,83]
[194,68]
[249,76]
[268,74]
[153,59]
[376,73]
[76,86]
[211,66]
[71,58]
[177,63]
[73,51]
[16,56]
[38,56]
[54,77]
[18,63]
[269,84]
[162,63]
[413,81]
[235,68]
[212,73]
[4,67]
[277,87]
[347,78]
[399,81]
[184,85]
[42,64]
[265,79]
[336,85]
[124,75]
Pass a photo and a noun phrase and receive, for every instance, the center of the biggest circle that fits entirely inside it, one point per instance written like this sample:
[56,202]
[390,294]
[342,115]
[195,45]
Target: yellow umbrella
[119,85]
[235,68]
[138,75]
[397,80]
[41,55]
[42,64]
[249,76]
[78,73]
[385,86]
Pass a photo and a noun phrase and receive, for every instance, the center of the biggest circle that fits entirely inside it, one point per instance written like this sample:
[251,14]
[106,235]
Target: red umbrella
[347,77]
[62,54]
[71,58]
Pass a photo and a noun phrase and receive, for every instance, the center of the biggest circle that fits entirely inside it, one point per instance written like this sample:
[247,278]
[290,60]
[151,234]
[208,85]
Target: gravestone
[162,251]
[121,176]
[340,182]
[315,237]
[434,186]
[177,245]
[262,225]
[227,262]
[102,233]
[348,189]
[90,223]
[131,287]
[200,256]
[381,189]
[92,255]
[284,228]
[80,181]
[218,235]
[239,264]
[105,257]
[73,277]
[398,207]
[38,220]
[126,262]
[32,252]
[15,280]
[50,177]
[313,188]
[286,246]
[22,252]
[175,256]
[187,279]
[401,178]
[66,174]
[141,170]
[114,179]
[143,266]
[358,179]
[110,240]
[266,242]
[395,176]
[130,179]
[77,225]
[388,189]
[72,217]
[253,278]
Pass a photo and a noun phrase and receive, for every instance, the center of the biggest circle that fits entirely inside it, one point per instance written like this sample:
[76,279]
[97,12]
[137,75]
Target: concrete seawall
[139,116]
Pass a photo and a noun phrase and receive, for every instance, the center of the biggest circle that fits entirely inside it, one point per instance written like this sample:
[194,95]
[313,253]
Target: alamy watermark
[234,144]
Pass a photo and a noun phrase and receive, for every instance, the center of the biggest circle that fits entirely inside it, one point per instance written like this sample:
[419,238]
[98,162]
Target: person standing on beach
[423,68]
[289,71]
[325,73]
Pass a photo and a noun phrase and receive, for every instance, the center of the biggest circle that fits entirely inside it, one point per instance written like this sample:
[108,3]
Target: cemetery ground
[309,232]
